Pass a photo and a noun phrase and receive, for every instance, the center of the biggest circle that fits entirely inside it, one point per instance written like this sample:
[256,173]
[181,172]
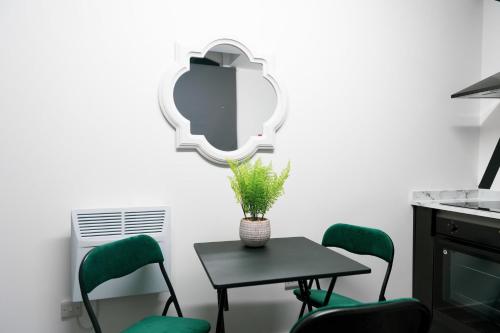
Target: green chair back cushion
[117,259]
[360,240]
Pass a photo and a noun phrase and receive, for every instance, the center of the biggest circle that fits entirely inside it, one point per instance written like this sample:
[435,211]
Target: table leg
[308,300]
[226,301]
[221,301]
[304,290]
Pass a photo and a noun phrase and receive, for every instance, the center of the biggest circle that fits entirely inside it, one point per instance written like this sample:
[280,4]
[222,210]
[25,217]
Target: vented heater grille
[145,222]
[120,222]
[100,224]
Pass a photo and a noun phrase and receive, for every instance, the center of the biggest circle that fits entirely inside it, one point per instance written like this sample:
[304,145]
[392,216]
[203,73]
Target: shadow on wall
[250,317]
[114,315]
[493,119]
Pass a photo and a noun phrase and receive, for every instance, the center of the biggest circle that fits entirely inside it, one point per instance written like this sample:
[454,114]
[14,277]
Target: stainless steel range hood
[487,88]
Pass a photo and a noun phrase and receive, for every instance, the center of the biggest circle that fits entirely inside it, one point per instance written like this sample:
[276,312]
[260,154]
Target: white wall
[256,101]
[370,119]
[490,109]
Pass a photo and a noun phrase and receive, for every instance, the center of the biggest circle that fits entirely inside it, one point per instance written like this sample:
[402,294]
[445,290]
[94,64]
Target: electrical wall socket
[291,285]
[70,309]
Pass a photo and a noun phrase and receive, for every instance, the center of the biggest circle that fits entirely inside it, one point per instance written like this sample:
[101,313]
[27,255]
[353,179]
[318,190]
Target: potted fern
[257,187]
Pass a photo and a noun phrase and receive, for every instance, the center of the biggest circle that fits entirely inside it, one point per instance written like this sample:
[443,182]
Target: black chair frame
[381,296]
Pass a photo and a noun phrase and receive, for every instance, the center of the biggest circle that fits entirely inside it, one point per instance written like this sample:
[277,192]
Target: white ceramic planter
[255,233]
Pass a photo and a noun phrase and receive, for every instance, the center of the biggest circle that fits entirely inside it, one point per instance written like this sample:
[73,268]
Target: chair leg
[317,284]
[302,309]
[167,305]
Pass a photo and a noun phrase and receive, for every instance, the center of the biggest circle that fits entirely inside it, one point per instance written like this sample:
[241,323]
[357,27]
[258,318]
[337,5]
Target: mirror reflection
[225,97]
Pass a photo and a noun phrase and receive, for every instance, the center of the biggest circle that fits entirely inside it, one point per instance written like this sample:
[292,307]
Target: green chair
[406,315]
[120,258]
[355,239]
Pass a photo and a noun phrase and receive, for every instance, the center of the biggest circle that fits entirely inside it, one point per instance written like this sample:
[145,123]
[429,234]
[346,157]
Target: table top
[231,264]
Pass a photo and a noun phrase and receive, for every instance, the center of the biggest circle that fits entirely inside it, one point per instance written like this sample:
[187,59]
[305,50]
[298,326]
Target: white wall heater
[93,227]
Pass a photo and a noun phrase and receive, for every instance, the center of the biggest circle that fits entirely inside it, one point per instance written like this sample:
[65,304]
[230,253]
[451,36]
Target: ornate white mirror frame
[187,141]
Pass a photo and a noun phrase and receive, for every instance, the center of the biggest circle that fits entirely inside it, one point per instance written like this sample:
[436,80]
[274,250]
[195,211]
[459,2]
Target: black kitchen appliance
[466,287]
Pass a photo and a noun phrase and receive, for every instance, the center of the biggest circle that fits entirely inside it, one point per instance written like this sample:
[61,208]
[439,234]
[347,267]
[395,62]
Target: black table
[231,265]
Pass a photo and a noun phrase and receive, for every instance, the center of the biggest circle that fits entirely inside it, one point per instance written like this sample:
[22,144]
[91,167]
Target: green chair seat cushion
[161,324]
[317,298]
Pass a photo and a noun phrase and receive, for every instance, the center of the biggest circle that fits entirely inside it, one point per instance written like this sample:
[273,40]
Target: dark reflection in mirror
[225,97]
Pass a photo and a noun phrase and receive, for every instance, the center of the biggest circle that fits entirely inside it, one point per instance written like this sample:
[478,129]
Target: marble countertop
[434,198]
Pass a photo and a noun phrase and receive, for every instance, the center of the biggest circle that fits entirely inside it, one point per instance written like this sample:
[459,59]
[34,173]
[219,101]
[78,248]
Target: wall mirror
[222,101]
